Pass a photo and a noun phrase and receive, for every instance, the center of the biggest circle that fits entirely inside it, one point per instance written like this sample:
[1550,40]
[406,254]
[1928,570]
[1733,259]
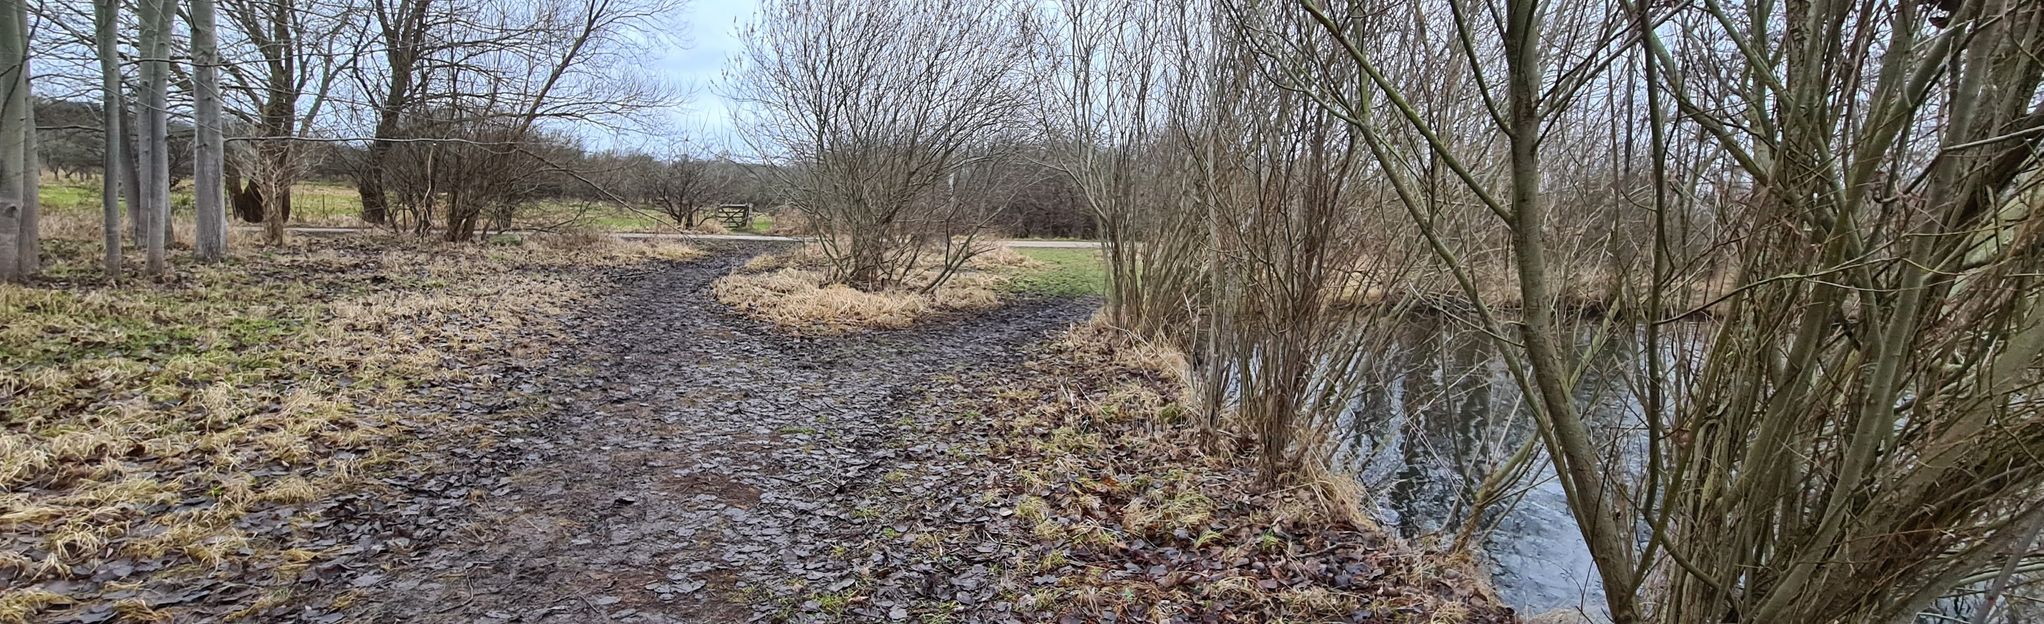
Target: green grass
[68,195]
[337,204]
[1066,273]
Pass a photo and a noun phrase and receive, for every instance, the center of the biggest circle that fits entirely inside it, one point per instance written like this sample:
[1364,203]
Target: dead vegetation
[1135,517]
[793,290]
[188,428]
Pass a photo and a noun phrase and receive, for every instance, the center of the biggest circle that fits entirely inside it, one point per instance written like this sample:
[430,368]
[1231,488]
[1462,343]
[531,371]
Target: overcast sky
[712,26]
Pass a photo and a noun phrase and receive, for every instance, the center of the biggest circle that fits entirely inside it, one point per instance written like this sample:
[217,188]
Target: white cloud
[712,38]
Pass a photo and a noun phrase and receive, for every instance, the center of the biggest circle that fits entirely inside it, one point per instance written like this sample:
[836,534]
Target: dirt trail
[676,463]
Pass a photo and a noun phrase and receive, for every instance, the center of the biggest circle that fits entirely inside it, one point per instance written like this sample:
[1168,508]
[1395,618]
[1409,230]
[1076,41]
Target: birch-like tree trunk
[208,146]
[154,155]
[30,243]
[17,148]
[131,161]
[106,18]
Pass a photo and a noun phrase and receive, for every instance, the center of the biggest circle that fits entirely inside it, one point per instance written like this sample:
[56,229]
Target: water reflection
[1439,414]
[1439,411]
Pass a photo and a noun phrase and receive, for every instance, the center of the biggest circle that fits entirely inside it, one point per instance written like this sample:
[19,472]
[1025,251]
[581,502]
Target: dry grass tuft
[790,289]
[16,605]
[790,222]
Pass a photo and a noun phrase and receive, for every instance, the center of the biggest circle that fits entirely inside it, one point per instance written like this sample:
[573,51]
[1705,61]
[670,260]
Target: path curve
[686,465]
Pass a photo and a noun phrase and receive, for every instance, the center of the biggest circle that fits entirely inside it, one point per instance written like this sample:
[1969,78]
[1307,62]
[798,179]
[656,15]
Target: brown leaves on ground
[1132,518]
[190,428]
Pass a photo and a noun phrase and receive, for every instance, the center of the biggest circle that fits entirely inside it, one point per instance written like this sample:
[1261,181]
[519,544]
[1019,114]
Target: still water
[1438,412]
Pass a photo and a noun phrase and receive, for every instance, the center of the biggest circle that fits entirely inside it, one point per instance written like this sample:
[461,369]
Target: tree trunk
[1591,497]
[207,145]
[31,230]
[17,148]
[112,164]
[10,237]
[13,138]
[242,195]
[131,161]
[461,221]
[155,161]
[369,185]
[369,180]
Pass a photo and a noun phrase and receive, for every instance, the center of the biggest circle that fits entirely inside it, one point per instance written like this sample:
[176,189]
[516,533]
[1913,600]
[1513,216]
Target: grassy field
[1065,272]
[336,204]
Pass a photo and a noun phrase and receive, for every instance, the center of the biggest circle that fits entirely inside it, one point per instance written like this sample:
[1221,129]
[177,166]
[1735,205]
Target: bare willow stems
[1107,116]
[1915,223]
[1849,164]
[874,109]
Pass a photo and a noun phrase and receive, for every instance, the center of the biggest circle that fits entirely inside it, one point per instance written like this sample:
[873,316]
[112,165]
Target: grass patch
[335,203]
[157,421]
[1063,273]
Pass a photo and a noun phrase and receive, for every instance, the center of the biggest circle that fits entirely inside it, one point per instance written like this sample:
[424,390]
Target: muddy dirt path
[676,463]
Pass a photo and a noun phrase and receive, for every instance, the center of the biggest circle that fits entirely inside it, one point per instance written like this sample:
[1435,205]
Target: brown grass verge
[151,425]
[1134,513]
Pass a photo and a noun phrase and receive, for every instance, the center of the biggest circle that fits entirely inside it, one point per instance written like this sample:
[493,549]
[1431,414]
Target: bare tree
[872,108]
[1108,118]
[681,188]
[288,56]
[476,138]
[406,31]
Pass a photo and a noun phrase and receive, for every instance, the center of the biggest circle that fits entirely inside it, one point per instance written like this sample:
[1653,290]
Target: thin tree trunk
[30,243]
[131,161]
[14,136]
[1575,456]
[106,15]
[207,146]
[155,152]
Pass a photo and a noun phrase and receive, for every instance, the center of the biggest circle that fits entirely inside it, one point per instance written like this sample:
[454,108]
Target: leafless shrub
[875,110]
[1853,438]
[791,221]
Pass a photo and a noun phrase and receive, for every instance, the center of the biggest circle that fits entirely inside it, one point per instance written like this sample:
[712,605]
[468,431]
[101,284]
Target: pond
[1438,413]
[1439,410]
